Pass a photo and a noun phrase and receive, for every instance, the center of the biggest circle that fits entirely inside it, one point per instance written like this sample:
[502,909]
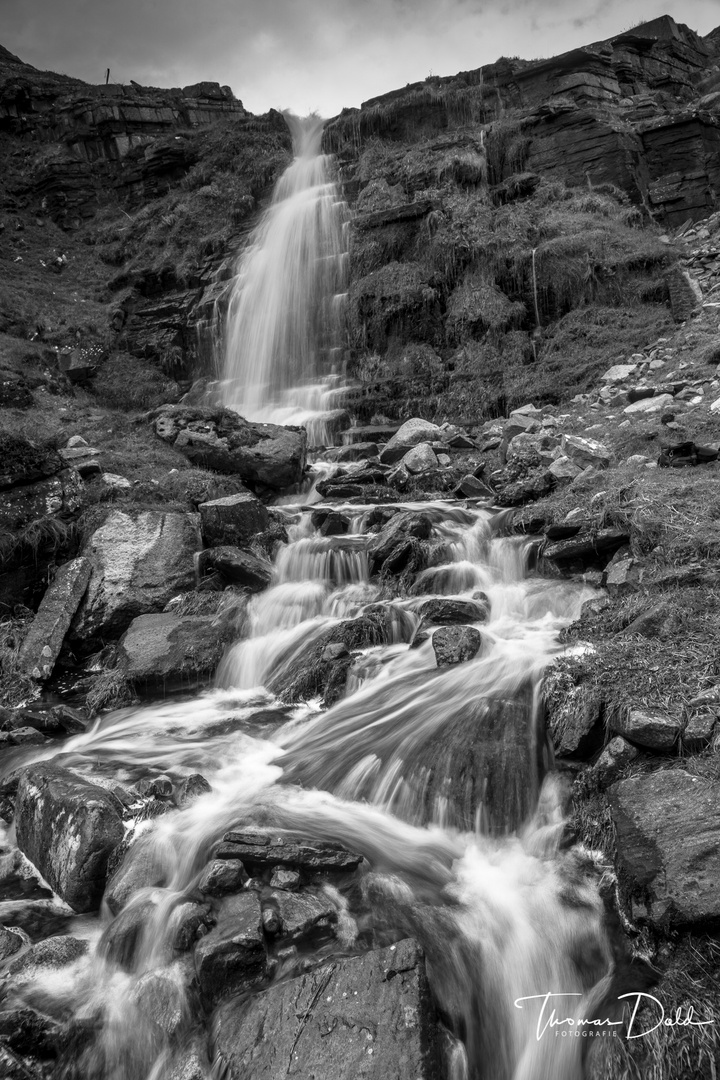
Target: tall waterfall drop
[284,319]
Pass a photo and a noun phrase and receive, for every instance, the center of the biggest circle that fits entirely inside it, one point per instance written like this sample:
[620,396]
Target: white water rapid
[283,354]
[440,777]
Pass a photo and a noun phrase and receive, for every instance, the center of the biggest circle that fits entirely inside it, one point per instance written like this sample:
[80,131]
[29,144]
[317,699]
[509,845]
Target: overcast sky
[311,54]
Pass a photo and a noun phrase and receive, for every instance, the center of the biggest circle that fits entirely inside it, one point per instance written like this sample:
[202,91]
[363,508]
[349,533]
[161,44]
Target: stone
[260,850]
[649,406]
[411,433]
[450,612]
[532,448]
[222,876]
[563,470]
[574,714]
[80,364]
[232,957]
[232,520]
[191,1063]
[166,651]
[401,526]
[219,439]
[622,576]
[305,918]
[191,921]
[123,938]
[49,955]
[367,1017]
[238,567]
[44,639]
[585,452]
[114,482]
[698,732]
[587,548]
[419,459]
[67,828]
[471,487]
[668,846]
[619,373]
[160,996]
[644,727]
[141,867]
[280,878]
[330,522]
[11,941]
[191,788]
[140,560]
[616,757]
[360,451]
[456,644]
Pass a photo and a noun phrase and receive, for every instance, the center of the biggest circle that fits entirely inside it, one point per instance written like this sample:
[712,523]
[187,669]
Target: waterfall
[283,331]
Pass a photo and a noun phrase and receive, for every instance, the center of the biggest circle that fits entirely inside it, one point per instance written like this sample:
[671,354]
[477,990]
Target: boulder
[652,729]
[68,829]
[649,405]
[584,452]
[622,575]
[401,526]
[258,851]
[43,642]
[668,846]
[616,756]
[360,451]
[231,958]
[264,454]
[574,714]
[166,651]
[456,644]
[619,373]
[238,567]
[160,997]
[446,611]
[139,562]
[472,487]
[419,459]
[303,918]
[233,520]
[563,470]
[368,1016]
[222,876]
[587,548]
[49,955]
[408,435]
[11,941]
[140,867]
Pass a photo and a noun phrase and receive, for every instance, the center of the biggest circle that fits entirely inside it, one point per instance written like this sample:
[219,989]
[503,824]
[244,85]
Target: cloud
[310,53]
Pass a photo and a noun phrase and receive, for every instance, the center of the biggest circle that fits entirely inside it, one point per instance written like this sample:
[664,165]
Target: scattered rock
[587,548]
[456,644]
[410,434]
[43,642]
[619,373]
[563,470]
[472,487]
[585,452]
[232,520]
[651,729]
[393,536]
[421,458]
[11,941]
[648,406]
[368,1016]
[616,756]
[68,829]
[51,954]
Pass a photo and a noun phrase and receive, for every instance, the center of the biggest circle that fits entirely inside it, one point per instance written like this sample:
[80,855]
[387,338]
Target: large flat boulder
[139,562]
[67,828]
[668,846]
[366,1017]
[265,454]
[167,651]
[43,642]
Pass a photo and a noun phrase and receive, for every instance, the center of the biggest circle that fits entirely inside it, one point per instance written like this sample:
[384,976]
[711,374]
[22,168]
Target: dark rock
[48,955]
[166,651]
[160,998]
[232,957]
[587,549]
[60,494]
[259,851]
[331,489]
[284,879]
[14,391]
[658,620]
[191,922]
[239,567]
[191,788]
[24,462]
[456,644]
[220,439]
[43,642]
[574,715]
[450,612]
[698,732]
[685,293]
[233,520]
[67,828]
[304,917]
[561,532]
[370,433]
[472,487]
[81,364]
[139,562]
[11,941]
[122,938]
[222,876]
[27,1031]
[668,848]
[403,525]
[141,868]
[330,522]
[377,1002]
[648,728]
[526,490]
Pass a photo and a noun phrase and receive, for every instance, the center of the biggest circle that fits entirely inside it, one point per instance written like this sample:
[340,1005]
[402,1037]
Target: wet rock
[191,1063]
[219,439]
[456,644]
[27,1031]
[139,562]
[11,941]
[644,727]
[574,715]
[402,526]
[191,788]
[330,489]
[160,996]
[330,522]
[67,828]
[368,1016]
[304,917]
[408,435]
[260,851]
[232,957]
[141,867]
[166,651]
[122,938]
[238,567]
[527,489]
[191,922]
[421,458]
[233,520]
[668,846]
[43,642]
[616,756]
[49,955]
[222,876]
[284,879]
[450,612]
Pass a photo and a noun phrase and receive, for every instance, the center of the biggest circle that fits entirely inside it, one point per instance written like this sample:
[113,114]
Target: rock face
[169,651]
[41,647]
[68,829]
[668,846]
[139,562]
[232,520]
[368,1017]
[263,454]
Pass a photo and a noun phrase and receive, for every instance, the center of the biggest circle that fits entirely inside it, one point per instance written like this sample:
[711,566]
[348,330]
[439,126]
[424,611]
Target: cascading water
[283,354]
